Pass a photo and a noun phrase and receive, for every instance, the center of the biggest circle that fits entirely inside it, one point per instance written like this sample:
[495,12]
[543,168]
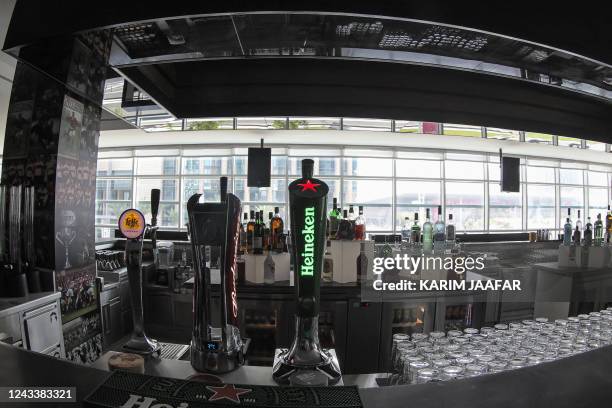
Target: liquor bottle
[360,225]
[328,264]
[362,264]
[243,234]
[346,229]
[415,231]
[598,231]
[567,232]
[451,233]
[569,217]
[406,230]
[258,235]
[351,213]
[268,232]
[250,232]
[577,235]
[588,233]
[609,225]
[427,234]
[269,268]
[439,235]
[277,227]
[334,219]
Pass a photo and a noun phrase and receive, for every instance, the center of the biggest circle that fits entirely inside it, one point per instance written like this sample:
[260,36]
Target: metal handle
[155,193]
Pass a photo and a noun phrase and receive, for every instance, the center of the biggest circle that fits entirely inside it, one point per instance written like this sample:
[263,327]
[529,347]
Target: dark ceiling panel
[329,87]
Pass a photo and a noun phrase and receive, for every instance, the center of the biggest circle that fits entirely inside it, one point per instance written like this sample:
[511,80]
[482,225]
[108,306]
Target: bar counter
[579,381]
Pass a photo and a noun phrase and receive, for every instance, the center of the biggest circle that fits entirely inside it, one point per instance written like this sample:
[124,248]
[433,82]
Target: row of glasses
[442,356]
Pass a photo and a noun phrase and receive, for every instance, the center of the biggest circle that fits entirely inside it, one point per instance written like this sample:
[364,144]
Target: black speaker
[510,174]
[260,160]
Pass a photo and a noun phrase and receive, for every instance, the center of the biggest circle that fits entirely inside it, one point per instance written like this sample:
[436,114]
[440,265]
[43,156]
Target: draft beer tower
[133,226]
[216,344]
[305,362]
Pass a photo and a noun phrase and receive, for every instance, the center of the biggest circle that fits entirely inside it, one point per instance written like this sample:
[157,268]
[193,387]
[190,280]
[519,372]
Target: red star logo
[309,185]
[228,391]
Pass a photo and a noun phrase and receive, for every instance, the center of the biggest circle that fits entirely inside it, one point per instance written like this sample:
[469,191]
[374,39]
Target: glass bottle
[406,230]
[258,235]
[269,268]
[609,225]
[268,232]
[328,264]
[439,233]
[598,231]
[577,235]
[277,227]
[567,232]
[360,225]
[243,234]
[334,219]
[346,229]
[451,233]
[588,233]
[362,263]
[579,222]
[250,232]
[351,213]
[427,234]
[415,231]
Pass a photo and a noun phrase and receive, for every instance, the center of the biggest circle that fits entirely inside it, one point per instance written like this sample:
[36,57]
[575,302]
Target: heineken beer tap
[305,362]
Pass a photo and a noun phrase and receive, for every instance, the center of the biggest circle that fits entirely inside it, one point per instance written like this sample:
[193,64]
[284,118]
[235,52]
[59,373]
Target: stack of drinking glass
[440,356]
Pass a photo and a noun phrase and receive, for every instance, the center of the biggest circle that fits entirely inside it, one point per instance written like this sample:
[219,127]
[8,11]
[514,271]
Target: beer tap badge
[132,223]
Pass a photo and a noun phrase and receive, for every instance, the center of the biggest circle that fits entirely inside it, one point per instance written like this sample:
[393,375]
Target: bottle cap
[450,216]
[416,216]
[270,214]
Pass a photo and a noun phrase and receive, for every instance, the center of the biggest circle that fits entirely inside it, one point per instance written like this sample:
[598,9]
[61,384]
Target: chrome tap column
[214,229]
[133,226]
[305,362]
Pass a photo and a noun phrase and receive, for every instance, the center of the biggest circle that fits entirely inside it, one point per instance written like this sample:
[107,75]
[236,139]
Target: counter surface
[9,306]
[580,381]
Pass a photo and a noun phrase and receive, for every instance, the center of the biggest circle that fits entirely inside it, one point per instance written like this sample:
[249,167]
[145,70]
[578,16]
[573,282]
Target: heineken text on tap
[308,206]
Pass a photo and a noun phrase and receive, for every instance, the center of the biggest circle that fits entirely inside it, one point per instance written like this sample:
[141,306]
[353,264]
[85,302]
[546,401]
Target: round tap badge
[132,223]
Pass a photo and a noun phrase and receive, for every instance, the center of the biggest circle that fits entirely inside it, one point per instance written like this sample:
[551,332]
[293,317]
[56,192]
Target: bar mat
[129,390]
[171,351]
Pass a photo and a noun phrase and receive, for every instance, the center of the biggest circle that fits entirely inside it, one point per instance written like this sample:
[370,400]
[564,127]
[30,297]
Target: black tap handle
[154,205]
[223,185]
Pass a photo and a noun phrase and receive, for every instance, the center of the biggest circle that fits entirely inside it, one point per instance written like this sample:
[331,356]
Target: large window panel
[323,166]
[367,192]
[540,206]
[378,219]
[503,134]
[597,178]
[418,193]
[464,170]
[403,211]
[169,196]
[407,126]
[276,193]
[466,202]
[207,165]
[114,189]
[375,125]
[569,142]
[598,202]
[539,138]
[505,209]
[572,198]
[418,168]
[367,166]
[114,167]
[537,174]
[107,213]
[157,166]
[570,176]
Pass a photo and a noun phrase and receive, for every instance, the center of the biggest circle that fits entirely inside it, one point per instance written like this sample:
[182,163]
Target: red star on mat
[309,185]
[228,391]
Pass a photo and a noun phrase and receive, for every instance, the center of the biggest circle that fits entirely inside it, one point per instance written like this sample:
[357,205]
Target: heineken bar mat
[128,390]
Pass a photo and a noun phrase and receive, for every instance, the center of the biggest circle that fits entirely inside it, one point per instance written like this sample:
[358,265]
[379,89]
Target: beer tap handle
[223,188]
[154,205]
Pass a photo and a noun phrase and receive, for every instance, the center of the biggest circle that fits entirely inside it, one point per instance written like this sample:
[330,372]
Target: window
[503,134]
[505,209]
[540,206]
[461,130]
[597,146]
[540,138]
[418,168]
[391,185]
[209,124]
[407,126]
[463,170]
[466,202]
[569,142]
[377,125]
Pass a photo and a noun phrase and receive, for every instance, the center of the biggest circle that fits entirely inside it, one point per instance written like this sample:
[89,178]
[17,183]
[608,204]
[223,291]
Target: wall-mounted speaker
[510,174]
[260,161]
